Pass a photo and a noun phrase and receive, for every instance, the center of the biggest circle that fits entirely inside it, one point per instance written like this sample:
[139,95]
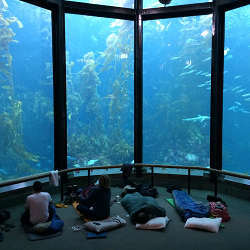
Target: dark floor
[234,236]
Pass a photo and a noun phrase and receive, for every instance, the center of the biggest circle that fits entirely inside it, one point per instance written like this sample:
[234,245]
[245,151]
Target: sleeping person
[141,208]
[96,205]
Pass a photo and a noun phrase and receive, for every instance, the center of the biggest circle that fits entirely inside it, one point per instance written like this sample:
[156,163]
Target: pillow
[155,223]
[105,225]
[211,225]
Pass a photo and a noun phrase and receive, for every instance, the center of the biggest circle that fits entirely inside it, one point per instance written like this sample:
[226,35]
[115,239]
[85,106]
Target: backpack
[147,190]
[218,209]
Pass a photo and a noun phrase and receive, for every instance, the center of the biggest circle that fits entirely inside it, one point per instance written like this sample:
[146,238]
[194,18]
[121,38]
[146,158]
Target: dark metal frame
[138,15]
[138,86]
[217,73]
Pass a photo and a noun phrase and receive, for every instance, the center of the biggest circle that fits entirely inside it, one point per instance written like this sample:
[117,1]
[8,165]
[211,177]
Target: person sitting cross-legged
[96,205]
[39,207]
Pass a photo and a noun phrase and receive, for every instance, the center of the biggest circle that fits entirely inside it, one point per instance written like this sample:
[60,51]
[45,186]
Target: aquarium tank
[100,89]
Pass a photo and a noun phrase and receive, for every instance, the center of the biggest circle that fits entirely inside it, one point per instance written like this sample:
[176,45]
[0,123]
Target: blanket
[187,207]
[45,229]
[136,203]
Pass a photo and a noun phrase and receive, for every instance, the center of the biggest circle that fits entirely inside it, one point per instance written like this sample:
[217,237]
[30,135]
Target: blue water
[100,91]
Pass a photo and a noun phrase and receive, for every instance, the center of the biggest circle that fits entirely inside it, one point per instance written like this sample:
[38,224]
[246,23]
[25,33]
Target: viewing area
[233,235]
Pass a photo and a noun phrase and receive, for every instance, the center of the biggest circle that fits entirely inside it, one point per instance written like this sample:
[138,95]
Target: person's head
[142,218]
[37,186]
[104,181]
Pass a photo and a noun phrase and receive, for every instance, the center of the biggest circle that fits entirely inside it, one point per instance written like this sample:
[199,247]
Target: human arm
[89,200]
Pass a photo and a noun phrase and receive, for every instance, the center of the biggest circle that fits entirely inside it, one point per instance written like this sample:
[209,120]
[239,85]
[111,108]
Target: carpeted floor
[234,236]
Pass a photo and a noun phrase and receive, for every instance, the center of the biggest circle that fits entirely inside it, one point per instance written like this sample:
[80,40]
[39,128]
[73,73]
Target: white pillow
[211,225]
[105,225]
[155,223]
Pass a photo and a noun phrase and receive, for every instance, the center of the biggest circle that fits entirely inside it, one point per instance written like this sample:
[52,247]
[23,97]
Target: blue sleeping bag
[56,224]
[187,207]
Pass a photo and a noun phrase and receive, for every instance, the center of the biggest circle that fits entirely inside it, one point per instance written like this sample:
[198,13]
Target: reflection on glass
[236,103]
[116,3]
[177,77]
[99,91]
[156,3]
[26,110]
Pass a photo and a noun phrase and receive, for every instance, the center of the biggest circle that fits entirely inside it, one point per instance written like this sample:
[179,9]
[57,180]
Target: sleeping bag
[136,203]
[187,207]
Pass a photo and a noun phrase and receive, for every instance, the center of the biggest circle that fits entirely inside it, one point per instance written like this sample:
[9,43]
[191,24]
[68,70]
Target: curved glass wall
[176,99]
[116,3]
[100,109]
[26,90]
[156,3]
[236,103]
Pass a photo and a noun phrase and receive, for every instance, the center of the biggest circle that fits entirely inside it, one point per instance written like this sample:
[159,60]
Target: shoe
[61,205]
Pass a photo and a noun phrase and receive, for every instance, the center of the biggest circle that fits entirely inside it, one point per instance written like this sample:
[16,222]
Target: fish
[198,73]
[233,108]
[207,59]
[240,90]
[244,111]
[187,66]
[77,165]
[245,95]
[191,157]
[199,118]
[237,77]
[237,87]
[187,73]
[175,58]
[91,162]
[238,103]
[201,85]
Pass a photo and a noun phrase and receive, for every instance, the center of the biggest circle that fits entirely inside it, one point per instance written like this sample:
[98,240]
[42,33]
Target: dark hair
[37,186]
[142,217]
[104,181]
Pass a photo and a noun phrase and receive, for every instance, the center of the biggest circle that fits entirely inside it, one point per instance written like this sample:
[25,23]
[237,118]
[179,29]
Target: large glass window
[99,91]
[26,90]
[156,3]
[177,79]
[236,103]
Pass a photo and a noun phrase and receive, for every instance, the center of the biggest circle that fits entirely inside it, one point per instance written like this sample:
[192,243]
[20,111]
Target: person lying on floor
[39,207]
[141,208]
[96,205]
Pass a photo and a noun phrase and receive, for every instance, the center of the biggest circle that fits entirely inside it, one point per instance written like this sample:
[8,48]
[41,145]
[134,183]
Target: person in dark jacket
[97,203]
